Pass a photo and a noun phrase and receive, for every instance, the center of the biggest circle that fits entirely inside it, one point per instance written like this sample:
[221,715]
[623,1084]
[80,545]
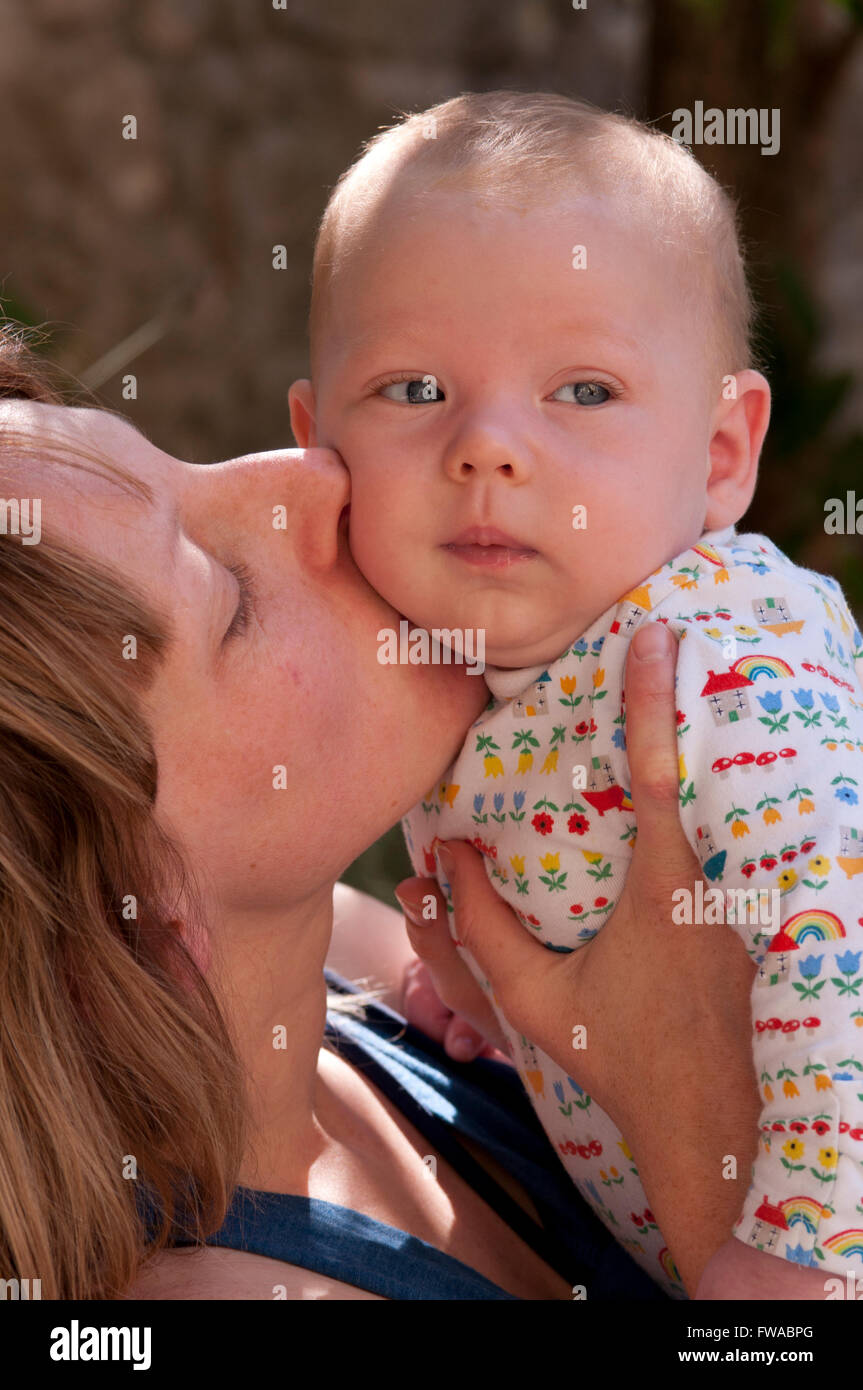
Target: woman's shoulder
[217,1273]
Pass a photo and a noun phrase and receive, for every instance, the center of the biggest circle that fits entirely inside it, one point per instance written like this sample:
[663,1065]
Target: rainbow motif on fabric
[754,666]
[846,1243]
[803,1211]
[668,1265]
[814,923]
[708,553]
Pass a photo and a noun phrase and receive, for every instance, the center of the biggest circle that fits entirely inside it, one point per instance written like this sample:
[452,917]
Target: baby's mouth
[487,547]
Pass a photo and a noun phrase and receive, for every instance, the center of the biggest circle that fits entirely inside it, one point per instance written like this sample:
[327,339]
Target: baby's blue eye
[584,393]
[418,391]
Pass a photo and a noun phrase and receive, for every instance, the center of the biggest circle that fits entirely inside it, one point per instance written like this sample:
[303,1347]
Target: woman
[196,739]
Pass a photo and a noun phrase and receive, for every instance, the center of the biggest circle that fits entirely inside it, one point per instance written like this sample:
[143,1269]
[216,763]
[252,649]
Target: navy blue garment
[485,1103]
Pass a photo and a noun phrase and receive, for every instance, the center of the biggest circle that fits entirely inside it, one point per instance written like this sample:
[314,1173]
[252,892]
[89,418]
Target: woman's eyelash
[245,607]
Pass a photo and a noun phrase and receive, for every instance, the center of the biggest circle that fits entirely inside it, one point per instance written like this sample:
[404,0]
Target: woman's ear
[301,398]
[737,433]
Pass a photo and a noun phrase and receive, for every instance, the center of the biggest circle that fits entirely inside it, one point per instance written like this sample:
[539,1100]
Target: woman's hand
[665,1008]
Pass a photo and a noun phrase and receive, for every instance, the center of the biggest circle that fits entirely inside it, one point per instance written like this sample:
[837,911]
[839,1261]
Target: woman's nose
[486,447]
[289,495]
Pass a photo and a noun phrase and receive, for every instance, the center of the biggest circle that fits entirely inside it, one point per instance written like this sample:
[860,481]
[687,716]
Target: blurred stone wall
[245,117]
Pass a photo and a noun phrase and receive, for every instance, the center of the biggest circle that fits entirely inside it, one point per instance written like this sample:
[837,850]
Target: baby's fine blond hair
[501,144]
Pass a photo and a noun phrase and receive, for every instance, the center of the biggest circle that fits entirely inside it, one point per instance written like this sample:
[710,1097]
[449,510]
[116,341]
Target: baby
[530,344]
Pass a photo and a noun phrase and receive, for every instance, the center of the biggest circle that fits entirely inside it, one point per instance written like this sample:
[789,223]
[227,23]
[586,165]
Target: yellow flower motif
[525,762]
[739,828]
[827,1158]
[787,879]
[603,1175]
[789,1089]
[614,1173]
[823,1082]
[713,632]
[550,764]
[721,576]
[771,815]
[550,862]
[567,684]
[493,766]
[793,1148]
[591,857]
[804,806]
[625,1149]
[681,769]
[831,745]
[819,865]
[744,630]
[517,862]
[768,1092]
[598,677]
[449,792]
[682,582]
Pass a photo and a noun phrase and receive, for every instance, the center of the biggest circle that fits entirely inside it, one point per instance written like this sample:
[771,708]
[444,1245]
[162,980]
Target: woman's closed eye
[245,606]
[586,393]
[409,390]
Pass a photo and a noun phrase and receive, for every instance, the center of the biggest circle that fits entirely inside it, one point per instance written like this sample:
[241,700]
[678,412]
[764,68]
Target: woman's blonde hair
[121,1097]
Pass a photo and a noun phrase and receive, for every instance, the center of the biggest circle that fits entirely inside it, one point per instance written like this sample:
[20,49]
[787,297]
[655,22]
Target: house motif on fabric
[712,859]
[850,856]
[534,701]
[630,611]
[727,696]
[604,792]
[774,614]
[767,1228]
[777,963]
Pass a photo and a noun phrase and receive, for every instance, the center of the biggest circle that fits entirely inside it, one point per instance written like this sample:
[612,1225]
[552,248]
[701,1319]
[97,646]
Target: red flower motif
[576,909]
[788,855]
[534,921]
[648,1216]
[577,824]
[806,846]
[748,870]
[680,716]
[768,861]
[821,1127]
[600,902]
[595,1147]
[798,1126]
[638,1220]
[581,728]
[430,862]
[543,823]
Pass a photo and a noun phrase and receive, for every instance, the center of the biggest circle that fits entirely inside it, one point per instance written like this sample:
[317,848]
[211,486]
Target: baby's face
[479,387]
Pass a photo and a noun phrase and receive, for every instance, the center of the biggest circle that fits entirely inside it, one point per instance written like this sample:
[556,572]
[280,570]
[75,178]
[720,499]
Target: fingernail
[464,1046]
[650,642]
[447,862]
[411,910]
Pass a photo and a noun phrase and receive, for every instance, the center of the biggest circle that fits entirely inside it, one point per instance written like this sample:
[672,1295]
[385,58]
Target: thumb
[518,968]
[651,749]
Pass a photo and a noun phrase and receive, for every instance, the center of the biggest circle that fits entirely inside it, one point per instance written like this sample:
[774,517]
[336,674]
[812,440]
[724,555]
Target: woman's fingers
[526,977]
[466,1006]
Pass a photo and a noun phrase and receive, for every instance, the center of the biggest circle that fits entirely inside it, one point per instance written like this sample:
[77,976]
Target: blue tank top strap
[348,1246]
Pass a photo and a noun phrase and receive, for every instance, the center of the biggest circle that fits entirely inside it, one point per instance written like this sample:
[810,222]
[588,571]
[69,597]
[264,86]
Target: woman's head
[146,714]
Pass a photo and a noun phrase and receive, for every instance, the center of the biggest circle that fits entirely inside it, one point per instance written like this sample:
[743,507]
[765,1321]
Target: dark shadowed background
[154,256]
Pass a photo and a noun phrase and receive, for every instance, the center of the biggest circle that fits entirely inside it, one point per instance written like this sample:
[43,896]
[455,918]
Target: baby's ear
[301,399]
